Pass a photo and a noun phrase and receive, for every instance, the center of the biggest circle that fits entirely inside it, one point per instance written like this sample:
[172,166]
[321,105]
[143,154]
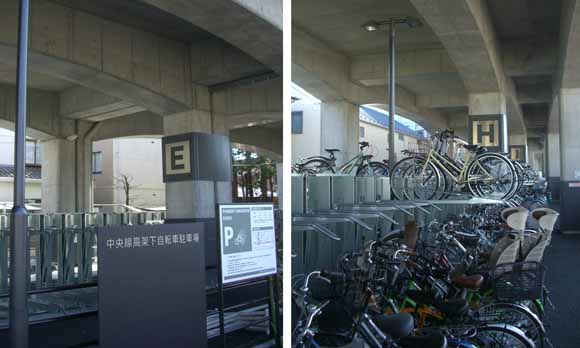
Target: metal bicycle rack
[335,214]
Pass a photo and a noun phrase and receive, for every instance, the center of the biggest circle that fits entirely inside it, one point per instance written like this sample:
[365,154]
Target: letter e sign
[177,158]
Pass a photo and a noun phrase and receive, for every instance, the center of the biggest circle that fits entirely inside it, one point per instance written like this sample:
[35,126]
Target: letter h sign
[488,131]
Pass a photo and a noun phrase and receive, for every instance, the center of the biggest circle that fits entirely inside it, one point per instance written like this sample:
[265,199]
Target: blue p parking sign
[248,241]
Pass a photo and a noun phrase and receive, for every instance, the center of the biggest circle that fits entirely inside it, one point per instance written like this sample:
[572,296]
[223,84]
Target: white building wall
[7,146]
[137,158]
[378,137]
[33,189]
[308,143]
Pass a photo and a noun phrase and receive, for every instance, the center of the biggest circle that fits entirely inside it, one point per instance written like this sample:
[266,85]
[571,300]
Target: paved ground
[562,261]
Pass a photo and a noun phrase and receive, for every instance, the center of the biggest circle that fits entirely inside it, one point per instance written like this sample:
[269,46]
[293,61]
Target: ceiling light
[371,26]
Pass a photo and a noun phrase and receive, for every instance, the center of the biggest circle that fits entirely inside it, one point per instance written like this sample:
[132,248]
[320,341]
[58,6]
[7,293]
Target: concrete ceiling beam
[254,27]
[467,33]
[249,104]
[568,73]
[118,60]
[81,103]
[43,118]
[264,138]
[325,73]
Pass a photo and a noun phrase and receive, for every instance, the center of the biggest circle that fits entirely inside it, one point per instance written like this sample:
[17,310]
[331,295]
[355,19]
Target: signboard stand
[273,307]
[152,286]
[247,232]
[220,285]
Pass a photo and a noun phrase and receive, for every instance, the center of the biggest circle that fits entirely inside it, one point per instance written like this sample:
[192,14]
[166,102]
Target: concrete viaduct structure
[519,58]
[105,69]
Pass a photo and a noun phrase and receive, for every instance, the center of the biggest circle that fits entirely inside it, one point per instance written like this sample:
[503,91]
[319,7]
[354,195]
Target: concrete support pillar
[58,176]
[279,183]
[553,159]
[569,155]
[519,142]
[196,198]
[487,120]
[67,176]
[553,150]
[340,129]
[569,139]
[197,170]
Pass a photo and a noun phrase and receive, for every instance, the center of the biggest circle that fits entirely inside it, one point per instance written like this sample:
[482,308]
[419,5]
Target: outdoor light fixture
[411,22]
[373,25]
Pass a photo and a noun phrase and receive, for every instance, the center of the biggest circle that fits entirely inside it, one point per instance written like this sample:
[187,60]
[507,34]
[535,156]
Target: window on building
[97,162]
[32,155]
[361,132]
[401,137]
[297,123]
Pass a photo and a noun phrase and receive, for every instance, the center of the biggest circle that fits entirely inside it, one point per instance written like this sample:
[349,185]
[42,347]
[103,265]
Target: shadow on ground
[562,261]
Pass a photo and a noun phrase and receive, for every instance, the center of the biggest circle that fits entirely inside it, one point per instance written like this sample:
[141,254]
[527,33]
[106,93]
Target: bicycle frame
[440,162]
[351,165]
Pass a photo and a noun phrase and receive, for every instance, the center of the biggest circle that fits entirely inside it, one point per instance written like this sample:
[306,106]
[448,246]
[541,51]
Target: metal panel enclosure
[152,286]
[343,191]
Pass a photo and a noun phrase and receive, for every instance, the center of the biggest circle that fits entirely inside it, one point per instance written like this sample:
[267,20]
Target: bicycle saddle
[331,151]
[396,325]
[434,340]
[452,307]
[469,281]
[469,241]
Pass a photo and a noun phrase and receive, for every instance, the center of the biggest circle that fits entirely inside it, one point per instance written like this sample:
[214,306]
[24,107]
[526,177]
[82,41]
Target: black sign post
[246,250]
[152,286]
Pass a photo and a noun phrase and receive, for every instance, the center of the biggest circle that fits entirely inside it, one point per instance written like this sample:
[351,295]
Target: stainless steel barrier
[334,214]
[63,246]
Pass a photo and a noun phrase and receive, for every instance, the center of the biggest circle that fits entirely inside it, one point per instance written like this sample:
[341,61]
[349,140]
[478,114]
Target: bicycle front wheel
[492,176]
[501,336]
[516,315]
[422,181]
[373,168]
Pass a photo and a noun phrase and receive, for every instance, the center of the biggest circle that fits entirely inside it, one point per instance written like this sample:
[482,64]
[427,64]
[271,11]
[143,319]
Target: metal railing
[63,247]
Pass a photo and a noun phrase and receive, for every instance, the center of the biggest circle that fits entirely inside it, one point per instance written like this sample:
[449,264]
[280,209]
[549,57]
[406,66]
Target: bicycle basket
[425,146]
[518,281]
[319,289]
[357,275]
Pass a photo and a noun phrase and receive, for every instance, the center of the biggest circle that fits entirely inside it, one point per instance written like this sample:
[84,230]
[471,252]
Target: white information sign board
[248,241]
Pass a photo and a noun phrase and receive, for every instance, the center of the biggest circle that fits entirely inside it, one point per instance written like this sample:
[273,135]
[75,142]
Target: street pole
[391,78]
[19,254]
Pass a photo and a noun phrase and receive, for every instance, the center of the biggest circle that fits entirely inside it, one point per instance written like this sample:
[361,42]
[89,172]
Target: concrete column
[553,150]
[569,139]
[58,176]
[209,167]
[339,129]
[569,158]
[520,140]
[279,183]
[553,159]
[67,175]
[482,105]
[195,199]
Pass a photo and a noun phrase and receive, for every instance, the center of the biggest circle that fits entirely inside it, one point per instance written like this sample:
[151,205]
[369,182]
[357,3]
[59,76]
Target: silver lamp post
[373,25]
[19,255]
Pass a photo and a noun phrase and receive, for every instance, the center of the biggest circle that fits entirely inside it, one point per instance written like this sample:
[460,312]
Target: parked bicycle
[434,174]
[359,165]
